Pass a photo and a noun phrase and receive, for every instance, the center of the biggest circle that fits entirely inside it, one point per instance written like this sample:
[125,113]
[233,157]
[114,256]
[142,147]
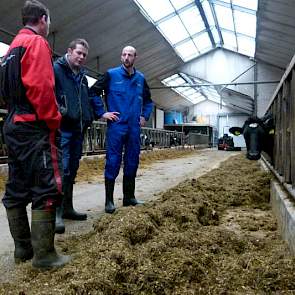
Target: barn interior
[223,58]
[210,65]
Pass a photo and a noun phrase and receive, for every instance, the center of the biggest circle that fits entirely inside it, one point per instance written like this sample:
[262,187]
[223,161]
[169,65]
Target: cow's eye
[253,125]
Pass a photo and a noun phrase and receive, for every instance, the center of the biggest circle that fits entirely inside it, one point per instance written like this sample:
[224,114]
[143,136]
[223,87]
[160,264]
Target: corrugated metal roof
[109,25]
[275,39]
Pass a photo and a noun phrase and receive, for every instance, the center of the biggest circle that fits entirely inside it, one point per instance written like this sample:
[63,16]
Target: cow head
[258,134]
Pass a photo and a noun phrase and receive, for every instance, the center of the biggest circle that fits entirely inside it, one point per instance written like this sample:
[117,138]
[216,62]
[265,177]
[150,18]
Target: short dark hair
[80,41]
[32,11]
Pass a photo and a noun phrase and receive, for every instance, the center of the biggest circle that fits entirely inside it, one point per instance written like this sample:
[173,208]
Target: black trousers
[35,166]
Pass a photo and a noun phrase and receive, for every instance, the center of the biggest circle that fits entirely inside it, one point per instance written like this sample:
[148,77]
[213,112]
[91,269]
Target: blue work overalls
[125,94]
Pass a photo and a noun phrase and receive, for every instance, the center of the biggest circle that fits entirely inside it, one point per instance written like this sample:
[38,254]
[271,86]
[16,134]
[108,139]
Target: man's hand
[142,121]
[112,116]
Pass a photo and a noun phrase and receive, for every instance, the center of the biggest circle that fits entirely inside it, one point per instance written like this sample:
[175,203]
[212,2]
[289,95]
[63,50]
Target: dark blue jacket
[127,94]
[73,98]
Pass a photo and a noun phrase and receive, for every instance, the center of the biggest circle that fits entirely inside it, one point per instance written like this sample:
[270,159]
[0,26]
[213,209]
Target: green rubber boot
[109,201]
[21,234]
[69,211]
[43,227]
[128,192]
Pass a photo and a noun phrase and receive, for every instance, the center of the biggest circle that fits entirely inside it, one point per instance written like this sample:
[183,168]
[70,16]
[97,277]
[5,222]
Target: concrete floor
[89,198]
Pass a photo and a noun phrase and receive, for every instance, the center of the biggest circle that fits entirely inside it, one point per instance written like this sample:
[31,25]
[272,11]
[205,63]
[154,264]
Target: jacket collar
[125,72]
[64,63]
[27,30]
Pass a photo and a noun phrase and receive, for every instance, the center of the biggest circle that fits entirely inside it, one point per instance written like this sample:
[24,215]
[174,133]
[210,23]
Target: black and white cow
[146,142]
[258,134]
[174,140]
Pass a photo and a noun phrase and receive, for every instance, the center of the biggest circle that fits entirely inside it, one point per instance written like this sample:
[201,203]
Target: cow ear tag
[237,133]
[271,131]
[253,125]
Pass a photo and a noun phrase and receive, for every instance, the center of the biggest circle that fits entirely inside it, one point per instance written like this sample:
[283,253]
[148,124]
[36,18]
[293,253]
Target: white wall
[221,65]
[159,119]
[206,112]
[209,113]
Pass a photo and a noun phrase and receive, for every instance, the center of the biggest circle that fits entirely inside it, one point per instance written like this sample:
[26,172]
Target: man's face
[128,57]
[77,57]
[44,25]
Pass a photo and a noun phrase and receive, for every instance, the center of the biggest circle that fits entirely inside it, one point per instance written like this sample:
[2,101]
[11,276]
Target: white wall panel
[159,119]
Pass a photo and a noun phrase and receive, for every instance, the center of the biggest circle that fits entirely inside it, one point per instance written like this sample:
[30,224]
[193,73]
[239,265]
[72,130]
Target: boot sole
[45,264]
[59,230]
[19,260]
[110,211]
[132,204]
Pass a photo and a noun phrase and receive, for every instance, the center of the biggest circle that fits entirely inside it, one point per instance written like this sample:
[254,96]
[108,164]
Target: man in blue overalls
[129,105]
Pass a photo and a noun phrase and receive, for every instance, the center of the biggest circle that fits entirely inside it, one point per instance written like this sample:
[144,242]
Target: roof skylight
[180,4]
[187,50]
[156,9]
[193,27]
[192,20]
[185,86]
[188,93]
[224,16]
[245,23]
[250,4]
[173,30]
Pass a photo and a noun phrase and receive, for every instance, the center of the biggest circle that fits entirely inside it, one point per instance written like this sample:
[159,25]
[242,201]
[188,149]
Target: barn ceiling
[275,38]
[109,25]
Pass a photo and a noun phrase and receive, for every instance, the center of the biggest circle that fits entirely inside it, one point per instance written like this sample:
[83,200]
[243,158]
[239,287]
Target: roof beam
[204,18]
[220,84]
[216,22]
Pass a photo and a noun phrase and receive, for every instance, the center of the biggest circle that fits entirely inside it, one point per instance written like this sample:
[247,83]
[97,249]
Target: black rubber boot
[21,234]
[59,222]
[69,211]
[109,201]
[128,192]
[45,255]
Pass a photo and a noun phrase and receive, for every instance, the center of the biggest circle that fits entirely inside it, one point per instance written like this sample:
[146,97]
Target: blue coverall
[128,95]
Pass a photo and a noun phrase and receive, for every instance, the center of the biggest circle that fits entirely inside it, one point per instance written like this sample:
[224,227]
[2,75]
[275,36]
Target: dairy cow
[174,140]
[258,134]
[146,142]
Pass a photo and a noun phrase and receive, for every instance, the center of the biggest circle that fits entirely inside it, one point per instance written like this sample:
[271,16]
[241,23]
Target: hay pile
[211,235]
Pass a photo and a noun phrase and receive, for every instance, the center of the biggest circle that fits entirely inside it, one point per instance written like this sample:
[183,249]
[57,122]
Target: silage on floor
[211,235]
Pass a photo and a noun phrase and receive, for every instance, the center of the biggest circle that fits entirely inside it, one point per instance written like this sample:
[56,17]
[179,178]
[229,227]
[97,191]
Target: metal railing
[95,138]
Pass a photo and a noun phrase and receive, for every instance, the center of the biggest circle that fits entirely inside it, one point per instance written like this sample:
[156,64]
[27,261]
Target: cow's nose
[253,156]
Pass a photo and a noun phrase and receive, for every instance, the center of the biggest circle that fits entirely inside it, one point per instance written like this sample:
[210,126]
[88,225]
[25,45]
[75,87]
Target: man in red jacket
[30,132]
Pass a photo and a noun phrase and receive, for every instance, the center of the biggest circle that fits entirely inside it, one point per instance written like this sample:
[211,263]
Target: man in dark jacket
[129,106]
[77,114]
[27,86]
